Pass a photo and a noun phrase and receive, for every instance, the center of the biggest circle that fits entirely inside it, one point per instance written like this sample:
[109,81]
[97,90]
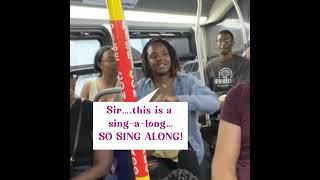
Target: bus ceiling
[188,7]
[212,11]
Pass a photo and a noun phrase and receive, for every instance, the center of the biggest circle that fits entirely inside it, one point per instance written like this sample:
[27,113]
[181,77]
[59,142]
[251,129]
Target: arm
[227,152]
[201,98]
[149,152]
[221,100]
[85,91]
[101,166]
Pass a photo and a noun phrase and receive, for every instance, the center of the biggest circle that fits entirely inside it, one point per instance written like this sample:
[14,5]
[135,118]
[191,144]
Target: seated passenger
[105,63]
[160,67]
[84,162]
[232,155]
[226,70]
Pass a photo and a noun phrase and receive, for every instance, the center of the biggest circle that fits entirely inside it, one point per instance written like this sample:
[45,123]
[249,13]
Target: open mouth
[162,65]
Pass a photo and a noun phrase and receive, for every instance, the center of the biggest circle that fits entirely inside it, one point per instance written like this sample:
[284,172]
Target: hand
[170,99]
[158,98]
[222,98]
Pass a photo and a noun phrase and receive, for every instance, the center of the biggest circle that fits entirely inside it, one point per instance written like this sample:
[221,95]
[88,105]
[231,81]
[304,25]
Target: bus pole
[125,66]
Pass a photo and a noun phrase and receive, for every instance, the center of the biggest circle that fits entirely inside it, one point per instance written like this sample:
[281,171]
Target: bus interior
[192,36]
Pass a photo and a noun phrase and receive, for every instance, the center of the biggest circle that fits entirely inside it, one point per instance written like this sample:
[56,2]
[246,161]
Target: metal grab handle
[243,27]
[106,92]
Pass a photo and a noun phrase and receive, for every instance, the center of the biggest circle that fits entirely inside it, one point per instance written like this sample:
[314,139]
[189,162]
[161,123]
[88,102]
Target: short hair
[98,57]
[73,75]
[146,69]
[226,32]
[180,174]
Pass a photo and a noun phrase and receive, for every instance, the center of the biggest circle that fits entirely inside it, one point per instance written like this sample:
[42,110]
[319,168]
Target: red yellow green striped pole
[124,58]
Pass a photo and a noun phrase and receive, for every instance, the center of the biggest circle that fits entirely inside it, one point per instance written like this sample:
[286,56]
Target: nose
[157,58]
[224,43]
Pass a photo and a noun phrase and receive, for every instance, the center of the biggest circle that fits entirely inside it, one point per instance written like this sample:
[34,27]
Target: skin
[224,45]
[108,79]
[227,152]
[160,63]
[102,159]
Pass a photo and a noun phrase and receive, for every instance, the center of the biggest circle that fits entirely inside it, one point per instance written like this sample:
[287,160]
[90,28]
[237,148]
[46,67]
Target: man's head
[159,58]
[225,42]
[73,80]
[105,61]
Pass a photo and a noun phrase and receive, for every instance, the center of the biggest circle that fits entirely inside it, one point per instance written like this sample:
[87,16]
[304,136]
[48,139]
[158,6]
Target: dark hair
[146,69]
[180,174]
[73,75]
[98,57]
[226,32]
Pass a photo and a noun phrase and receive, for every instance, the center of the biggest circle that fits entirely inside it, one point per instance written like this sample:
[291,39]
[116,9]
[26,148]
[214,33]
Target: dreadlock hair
[146,69]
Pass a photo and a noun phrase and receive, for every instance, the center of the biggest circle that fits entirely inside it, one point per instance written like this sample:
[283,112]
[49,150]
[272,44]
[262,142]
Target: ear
[99,64]
[232,43]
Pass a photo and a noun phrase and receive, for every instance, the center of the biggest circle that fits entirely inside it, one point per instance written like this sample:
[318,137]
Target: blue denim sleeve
[138,88]
[200,97]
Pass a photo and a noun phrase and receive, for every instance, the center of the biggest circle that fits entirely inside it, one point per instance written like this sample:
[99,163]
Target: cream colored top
[169,154]
[94,91]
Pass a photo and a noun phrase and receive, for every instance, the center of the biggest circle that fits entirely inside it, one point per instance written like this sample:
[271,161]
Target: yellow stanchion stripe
[143,178]
[115,10]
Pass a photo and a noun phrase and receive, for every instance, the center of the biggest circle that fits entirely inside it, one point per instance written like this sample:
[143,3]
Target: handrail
[199,54]
[243,28]
[106,92]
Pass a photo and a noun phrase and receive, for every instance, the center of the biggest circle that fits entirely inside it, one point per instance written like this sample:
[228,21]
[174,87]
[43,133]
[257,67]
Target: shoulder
[240,90]
[240,59]
[87,104]
[188,79]
[141,85]
[142,82]
[87,84]
[184,77]
[212,62]
[236,104]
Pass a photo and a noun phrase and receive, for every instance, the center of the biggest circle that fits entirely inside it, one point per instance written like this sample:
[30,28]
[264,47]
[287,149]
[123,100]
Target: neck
[225,57]
[162,79]
[109,81]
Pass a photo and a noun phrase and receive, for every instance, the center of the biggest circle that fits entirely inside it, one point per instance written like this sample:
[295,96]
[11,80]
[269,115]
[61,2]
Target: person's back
[84,151]
[232,155]
[237,111]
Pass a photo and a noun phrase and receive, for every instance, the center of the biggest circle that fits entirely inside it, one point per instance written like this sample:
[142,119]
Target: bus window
[85,40]
[82,51]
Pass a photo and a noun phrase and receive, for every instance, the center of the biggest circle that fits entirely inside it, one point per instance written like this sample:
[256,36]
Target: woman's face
[108,63]
[159,59]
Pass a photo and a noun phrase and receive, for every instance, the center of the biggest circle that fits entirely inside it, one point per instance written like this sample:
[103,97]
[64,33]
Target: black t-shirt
[84,152]
[222,76]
